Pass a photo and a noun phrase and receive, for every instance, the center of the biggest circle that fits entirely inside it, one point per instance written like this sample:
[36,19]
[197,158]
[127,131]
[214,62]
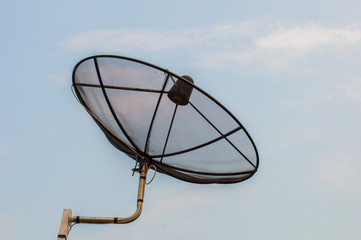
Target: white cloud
[155,40]
[348,89]
[232,40]
[269,47]
[302,39]
[109,40]
[278,47]
[352,90]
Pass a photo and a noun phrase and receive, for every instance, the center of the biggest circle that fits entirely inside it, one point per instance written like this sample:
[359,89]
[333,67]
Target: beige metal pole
[64,225]
[68,218]
[105,220]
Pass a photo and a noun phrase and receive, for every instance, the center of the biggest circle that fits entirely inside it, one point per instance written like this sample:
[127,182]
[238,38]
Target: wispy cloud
[155,40]
[347,89]
[109,40]
[302,39]
[279,46]
[352,90]
[237,42]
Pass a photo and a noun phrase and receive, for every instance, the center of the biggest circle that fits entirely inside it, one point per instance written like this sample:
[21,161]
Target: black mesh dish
[148,111]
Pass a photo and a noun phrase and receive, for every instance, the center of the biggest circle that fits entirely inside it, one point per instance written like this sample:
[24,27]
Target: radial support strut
[68,219]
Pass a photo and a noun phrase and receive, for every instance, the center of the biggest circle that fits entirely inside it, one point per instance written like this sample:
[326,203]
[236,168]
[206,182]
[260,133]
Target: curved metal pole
[68,218]
[105,220]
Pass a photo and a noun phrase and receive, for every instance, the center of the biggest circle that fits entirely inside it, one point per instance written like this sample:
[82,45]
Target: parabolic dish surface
[200,142]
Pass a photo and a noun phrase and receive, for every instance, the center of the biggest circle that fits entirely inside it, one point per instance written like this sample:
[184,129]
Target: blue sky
[288,70]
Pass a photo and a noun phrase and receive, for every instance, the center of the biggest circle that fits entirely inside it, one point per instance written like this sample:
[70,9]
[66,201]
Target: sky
[288,70]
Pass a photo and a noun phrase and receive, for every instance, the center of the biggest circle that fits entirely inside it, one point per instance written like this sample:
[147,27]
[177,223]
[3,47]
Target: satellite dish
[149,112]
[163,120]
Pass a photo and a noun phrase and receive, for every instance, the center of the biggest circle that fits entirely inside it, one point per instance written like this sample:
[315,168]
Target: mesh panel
[197,141]
[189,129]
[95,101]
[135,111]
[160,126]
[213,112]
[86,73]
[210,159]
[241,140]
[124,73]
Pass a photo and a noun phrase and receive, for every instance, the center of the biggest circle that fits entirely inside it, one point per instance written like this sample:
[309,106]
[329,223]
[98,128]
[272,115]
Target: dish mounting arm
[68,219]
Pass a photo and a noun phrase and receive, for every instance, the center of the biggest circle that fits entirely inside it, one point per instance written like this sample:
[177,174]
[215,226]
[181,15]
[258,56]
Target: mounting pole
[64,225]
[68,219]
